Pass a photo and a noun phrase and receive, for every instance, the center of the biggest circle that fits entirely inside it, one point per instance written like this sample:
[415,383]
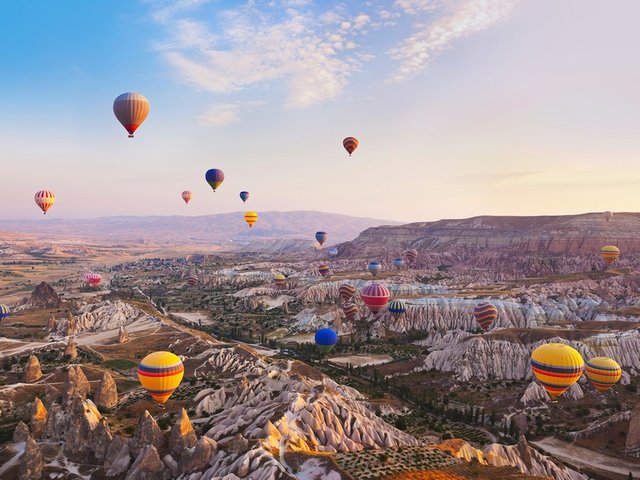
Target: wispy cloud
[222,114]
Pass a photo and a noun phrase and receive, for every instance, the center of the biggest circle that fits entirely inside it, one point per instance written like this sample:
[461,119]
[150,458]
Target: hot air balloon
[321,237]
[375,296]
[323,270]
[350,144]
[326,339]
[92,279]
[350,310]
[192,279]
[214,177]
[280,280]
[397,308]
[131,109]
[244,196]
[374,268]
[603,373]
[346,292]
[333,251]
[251,218]
[398,263]
[45,200]
[485,313]
[160,374]
[186,196]
[4,312]
[608,215]
[411,255]
[610,253]
[556,366]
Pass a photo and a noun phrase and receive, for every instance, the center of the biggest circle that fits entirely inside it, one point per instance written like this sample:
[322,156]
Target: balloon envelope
[131,109]
[346,292]
[186,196]
[350,310]
[411,255]
[375,296]
[280,280]
[397,308]
[321,237]
[326,338]
[610,253]
[485,314]
[556,366]
[323,270]
[398,263]
[374,268]
[4,311]
[192,279]
[350,144]
[608,215]
[251,218]
[603,373]
[333,251]
[160,373]
[214,177]
[44,199]
[92,279]
[244,196]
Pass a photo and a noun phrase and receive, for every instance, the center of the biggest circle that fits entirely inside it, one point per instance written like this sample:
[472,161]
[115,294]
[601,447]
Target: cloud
[220,115]
[462,19]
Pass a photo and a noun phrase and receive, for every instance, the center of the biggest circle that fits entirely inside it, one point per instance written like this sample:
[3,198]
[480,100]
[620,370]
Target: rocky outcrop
[52,324]
[32,372]
[147,433]
[31,463]
[100,439]
[107,393]
[147,465]
[106,315]
[83,420]
[39,416]
[633,434]
[51,395]
[182,434]
[117,457]
[197,457]
[44,296]
[71,350]
[21,432]
[123,335]
[76,383]
[69,328]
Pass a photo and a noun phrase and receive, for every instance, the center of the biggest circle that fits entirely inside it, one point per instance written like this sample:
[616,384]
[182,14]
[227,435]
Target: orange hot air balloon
[251,218]
[610,253]
[186,196]
[350,144]
[45,200]
[131,109]
[160,373]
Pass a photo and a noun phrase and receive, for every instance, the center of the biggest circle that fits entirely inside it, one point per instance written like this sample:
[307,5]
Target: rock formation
[196,458]
[44,296]
[100,440]
[39,416]
[182,434]
[107,394]
[147,433]
[51,395]
[76,383]
[31,463]
[123,335]
[21,432]
[117,458]
[632,444]
[71,350]
[32,372]
[52,324]
[83,420]
[70,328]
[147,465]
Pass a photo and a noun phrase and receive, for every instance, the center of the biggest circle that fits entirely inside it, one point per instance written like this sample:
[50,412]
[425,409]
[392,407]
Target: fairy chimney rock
[32,372]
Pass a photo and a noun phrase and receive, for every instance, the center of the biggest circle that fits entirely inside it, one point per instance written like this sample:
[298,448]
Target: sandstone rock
[147,465]
[39,417]
[45,296]
[51,395]
[70,327]
[32,372]
[114,449]
[52,324]
[147,433]
[120,462]
[182,434]
[107,394]
[197,457]
[71,349]
[123,335]
[31,462]
[633,433]
[76,383]
[21,432]
[238,444]
[83,420]
[101,438]
[172,465]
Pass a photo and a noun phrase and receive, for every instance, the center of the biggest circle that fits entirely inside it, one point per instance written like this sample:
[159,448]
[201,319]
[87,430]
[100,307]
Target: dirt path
[588,459]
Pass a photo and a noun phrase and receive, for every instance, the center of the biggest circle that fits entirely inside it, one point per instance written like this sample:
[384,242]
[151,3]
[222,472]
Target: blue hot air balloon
[333,252]
[374,267]
[4,311]
[321,237]
[326,338]
[398,263]
[214,178]
[244,196]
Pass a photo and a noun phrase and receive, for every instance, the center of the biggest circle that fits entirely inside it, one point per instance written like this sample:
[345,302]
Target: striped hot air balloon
[321,237]
[214,177]
[192,279]
[160,373]
[323,270]
[280,280]
[375,296]
[374,268]
[350,311]
[411,255]
[556,366]
[603,373]
[45,200]
[4,312]
[186,196]
[398,263]
[131,109]
[244,196]
[350,144]
[251,218]
[610,253]
[326,339]
[346,292]
[485,313]
[397,308]
[92,279]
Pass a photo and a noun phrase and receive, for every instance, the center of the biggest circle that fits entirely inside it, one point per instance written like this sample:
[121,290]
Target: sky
[461,107]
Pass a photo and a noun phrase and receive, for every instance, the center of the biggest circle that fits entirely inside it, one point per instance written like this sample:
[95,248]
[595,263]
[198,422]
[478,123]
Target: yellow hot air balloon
[160,373]
[556,366]
[603,373]
[250,218]
[610,253]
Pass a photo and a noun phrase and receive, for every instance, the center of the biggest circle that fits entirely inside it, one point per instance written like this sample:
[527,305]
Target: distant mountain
[225,228]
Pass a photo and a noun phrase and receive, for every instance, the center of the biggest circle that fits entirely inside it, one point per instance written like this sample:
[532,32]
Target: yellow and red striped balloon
[160,373]
[45,200]
[603,373]
[556,366]
[251,218]
[610,253]
[280,280]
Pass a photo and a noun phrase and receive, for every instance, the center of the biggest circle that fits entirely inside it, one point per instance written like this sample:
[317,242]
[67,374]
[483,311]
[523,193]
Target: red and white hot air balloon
[92,279]
[186,196]
[45,200]
[375,296]
[131,109]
